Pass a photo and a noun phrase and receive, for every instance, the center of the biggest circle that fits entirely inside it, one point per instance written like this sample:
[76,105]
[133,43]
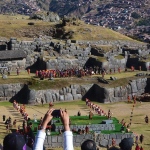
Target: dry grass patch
[16,25]
[120,56]
[94,32]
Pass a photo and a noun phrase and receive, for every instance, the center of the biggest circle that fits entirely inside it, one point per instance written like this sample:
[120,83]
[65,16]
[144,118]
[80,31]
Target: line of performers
[73,72]
[21,109]
[95,108]
[64,73]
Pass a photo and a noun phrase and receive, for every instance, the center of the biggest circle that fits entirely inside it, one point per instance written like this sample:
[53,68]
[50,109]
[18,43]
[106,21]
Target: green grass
[106,48]
[5,103]
[120,56]
[101,59]
[84,120]
[147,59]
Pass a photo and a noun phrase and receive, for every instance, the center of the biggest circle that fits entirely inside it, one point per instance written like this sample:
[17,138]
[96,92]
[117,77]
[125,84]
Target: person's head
[15,141]
[88,145]
[126,144]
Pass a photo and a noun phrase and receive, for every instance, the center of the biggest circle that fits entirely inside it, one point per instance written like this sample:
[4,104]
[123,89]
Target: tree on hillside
[135,15]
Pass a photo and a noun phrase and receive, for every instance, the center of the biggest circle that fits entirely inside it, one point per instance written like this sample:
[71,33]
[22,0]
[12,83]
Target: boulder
[75,96]
[48,97]
[57,96]
[70,97]
[53,97]
[61,98]
[133,86]
[73,91]
[32,94]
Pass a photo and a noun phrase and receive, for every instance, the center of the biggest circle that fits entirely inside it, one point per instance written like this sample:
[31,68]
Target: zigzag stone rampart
[75,92]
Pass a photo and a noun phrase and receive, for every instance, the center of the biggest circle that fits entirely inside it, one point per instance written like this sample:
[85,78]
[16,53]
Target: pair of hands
[64,118]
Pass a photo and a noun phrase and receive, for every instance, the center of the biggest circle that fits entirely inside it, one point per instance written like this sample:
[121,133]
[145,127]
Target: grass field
[120,110]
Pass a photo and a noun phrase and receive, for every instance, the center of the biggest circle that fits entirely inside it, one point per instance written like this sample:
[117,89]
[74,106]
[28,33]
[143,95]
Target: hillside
[127,17]
[17,26]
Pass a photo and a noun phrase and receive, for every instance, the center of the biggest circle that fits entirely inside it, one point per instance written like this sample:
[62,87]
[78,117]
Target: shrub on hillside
[31,23]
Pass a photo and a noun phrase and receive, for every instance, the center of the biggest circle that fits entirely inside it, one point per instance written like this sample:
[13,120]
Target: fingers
[61,113]
[47,118]
[65,120]
[49,112]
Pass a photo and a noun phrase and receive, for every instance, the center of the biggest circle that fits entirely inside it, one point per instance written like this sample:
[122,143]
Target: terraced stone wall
[101,139]
[74,92]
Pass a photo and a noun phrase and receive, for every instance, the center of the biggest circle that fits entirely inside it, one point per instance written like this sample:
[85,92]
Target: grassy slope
[90,32]
[15,26]
[11,25]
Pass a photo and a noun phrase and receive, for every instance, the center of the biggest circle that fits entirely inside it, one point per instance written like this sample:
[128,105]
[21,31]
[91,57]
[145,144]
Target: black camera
[56,113]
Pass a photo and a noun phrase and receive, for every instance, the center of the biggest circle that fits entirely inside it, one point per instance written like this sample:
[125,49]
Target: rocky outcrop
[49,16]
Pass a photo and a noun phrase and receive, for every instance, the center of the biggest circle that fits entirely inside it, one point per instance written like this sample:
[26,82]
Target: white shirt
[40,137]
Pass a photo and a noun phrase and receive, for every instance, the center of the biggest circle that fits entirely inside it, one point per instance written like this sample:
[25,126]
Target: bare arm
[40,137]
[68,136]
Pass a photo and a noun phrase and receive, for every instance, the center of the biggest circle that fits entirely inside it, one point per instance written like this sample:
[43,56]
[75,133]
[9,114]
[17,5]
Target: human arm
[68,136]
[40,137]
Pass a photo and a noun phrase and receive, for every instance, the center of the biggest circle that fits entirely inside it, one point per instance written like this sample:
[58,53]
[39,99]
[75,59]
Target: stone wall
[58,55]
[135,87]
[7,91]
[75,56]
[112,63]
[116,42]
[22,93]
[100,139]
[14,64]
[74,92]
[120,93]
[92,127]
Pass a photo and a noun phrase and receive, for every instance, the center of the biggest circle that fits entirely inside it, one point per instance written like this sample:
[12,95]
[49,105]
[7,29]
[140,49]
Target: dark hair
[88,145]
[15,141]
[126,144]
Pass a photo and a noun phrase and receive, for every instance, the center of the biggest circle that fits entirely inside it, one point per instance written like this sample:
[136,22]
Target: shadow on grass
[137,123]
[146,144]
